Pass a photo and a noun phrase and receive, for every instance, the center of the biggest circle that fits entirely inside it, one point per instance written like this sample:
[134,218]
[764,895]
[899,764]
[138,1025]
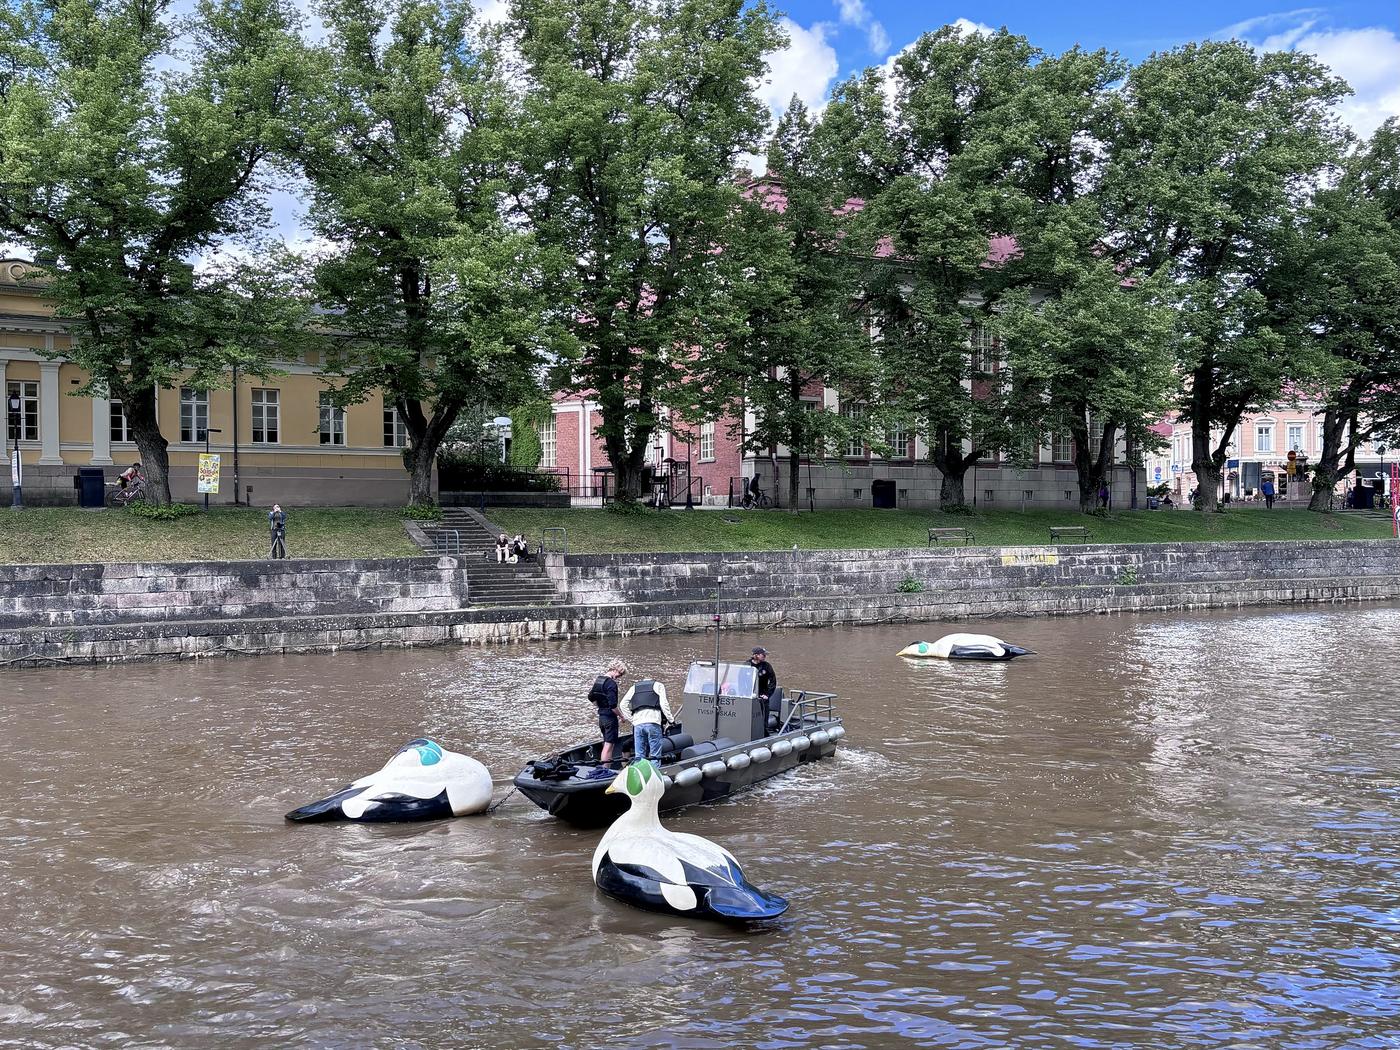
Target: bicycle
[752,502]
[125,497]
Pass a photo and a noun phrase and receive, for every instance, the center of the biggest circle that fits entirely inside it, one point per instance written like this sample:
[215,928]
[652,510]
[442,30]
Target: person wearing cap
[767,677]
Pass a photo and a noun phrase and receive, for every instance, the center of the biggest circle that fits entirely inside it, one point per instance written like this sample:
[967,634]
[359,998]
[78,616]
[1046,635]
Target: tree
[1218,150]
[1335,293]
[635,114]
[435,292]
[803,324]
[119,176]
[930,173]
[1087,341]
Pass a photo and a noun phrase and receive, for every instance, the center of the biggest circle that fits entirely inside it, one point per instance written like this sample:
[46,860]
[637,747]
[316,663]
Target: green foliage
[631,509]
[161,511]
[422,512]
[402,144]
[1127,576]
[128,153]
[909,585]
[633,115]
[525,421]
[457,473]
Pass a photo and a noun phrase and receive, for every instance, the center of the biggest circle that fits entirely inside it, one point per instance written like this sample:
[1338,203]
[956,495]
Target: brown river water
[1166,830]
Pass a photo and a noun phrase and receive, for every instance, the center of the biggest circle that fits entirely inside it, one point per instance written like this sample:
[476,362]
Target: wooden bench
[955,534]
[1073,532]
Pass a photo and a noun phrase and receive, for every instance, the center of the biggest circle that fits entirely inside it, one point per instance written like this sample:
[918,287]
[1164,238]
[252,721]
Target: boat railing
[808,708]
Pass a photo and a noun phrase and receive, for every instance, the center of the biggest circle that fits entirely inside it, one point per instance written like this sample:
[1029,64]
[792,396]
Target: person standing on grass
[277,523]
[1268,490]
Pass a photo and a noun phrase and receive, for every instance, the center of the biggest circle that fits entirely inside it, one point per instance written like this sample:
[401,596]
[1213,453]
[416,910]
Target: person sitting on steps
[504,553]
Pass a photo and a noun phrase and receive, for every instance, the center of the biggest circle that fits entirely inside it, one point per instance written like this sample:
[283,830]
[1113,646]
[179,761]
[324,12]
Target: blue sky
[1360,40]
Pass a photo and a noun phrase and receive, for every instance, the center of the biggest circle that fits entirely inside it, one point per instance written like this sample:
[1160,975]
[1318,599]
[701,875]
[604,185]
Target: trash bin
[91,487]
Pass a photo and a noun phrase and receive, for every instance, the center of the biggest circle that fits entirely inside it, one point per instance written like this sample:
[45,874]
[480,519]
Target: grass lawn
[601,532]
[66,534]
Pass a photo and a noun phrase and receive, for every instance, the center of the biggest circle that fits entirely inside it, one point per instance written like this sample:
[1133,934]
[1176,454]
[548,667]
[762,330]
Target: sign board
[1176,468]
[1292,467]
[1292,454]
[208,473]
[16,469]
[1394,489]
[1233,464]
[1156,473]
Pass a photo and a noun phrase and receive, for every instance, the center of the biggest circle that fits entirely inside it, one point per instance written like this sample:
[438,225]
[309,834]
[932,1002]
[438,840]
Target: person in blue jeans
[647,708]
[1267,491]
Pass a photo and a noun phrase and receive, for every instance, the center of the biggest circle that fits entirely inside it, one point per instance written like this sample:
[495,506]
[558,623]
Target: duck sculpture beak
[618,785]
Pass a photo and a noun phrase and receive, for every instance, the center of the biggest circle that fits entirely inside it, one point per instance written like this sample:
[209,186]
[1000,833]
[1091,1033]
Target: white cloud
[492,10]
[966,25]
[805,68]
[1368,58]
[854,13]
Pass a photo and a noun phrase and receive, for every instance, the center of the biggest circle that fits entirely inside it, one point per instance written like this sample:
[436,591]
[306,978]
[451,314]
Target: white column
[101,431]
[48,411]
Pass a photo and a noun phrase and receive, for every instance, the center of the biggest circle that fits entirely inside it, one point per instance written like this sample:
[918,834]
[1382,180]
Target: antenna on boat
[719,586]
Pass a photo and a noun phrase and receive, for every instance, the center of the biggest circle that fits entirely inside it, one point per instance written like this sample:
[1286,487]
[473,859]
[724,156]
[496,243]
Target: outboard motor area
[723,705]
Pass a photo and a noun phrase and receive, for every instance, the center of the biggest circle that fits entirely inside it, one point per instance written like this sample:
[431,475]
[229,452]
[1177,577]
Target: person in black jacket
[604,697]
[767,677]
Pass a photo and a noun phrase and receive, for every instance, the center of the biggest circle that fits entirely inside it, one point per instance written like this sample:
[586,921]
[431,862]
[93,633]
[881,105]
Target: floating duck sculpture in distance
[640,862]
[966,647]
[421,782]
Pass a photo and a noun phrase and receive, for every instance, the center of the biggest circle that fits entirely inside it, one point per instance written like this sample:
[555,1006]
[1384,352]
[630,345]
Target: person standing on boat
[767,677]
[604,697]
[646,707]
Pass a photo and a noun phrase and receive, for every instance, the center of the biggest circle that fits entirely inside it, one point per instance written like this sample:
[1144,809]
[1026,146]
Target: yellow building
[278,437]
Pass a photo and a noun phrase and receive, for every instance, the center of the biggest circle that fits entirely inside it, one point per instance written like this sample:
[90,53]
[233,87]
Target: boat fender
[739,761]
[800,743]
[820,737]
[782,748]
[837,732]
[760,754]
[689,777]
[712,769]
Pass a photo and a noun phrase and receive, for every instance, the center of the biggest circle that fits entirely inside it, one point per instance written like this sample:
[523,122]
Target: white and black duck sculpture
[421,782]
[965,647]
[640,862]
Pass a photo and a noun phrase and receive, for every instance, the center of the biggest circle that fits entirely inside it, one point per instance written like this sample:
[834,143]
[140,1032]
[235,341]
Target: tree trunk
[419,460]
[950,491]
[947,456]
[794,480]
[1333,462]
[1207,483]
[1090,458]
[140,407]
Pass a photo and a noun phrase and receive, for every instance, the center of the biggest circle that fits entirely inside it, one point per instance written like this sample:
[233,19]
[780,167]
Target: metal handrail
[545,547]
[456,541]
[816,706]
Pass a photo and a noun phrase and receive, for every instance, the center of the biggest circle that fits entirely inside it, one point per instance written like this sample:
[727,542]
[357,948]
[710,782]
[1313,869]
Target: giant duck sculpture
[421,782]
[640,862]
[965,647]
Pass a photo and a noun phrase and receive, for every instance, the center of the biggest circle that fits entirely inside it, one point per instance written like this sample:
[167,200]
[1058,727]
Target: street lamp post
[16,467]
[207,432]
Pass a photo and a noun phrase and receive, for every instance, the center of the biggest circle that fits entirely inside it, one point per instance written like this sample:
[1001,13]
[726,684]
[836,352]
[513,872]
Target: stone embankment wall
[165,592]
[262,607]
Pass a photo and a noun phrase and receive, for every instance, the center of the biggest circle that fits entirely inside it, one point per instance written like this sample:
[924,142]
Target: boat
[728,739]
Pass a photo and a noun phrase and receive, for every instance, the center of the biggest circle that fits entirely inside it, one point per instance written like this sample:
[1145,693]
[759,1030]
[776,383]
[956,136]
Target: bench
[956,534]
[1073,532]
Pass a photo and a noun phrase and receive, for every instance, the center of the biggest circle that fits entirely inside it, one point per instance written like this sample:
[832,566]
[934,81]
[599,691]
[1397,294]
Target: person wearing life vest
[646,707]
[603,696]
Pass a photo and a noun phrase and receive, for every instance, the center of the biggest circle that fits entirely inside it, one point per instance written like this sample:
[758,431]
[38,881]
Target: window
[332,421]
[984,350]
[1264,437]
[194,414]
[28,419]
[900,441]
[117,426]
[549,454]
[854,413]
[267,416]
[707,442]
[1295,438]
[1061,447]
[395,431]
[1321,434]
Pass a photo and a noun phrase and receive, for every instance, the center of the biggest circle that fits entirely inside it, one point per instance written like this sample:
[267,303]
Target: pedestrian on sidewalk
[277,523]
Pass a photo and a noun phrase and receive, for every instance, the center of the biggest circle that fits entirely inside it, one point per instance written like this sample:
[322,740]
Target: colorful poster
[208,473]
[1394,506]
